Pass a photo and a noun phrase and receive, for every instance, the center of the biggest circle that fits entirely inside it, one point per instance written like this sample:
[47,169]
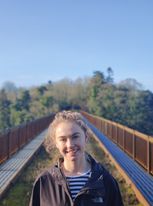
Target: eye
[76,136]
[62,140]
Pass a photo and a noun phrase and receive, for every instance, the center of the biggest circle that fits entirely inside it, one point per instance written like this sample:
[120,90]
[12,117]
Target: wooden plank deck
[10,169]
[139,178]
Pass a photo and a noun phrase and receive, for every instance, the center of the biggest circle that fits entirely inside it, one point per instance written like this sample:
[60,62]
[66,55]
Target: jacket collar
[96,170]
[95,182]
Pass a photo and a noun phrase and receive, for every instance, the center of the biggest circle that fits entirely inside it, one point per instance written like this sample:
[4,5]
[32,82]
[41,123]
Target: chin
[75,156]
[73,159]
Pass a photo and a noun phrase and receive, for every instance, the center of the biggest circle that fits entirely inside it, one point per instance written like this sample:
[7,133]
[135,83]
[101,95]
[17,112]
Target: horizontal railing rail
[137,145]
[15,138]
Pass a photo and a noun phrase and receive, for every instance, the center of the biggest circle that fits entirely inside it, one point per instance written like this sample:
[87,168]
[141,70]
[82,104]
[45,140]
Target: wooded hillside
[126,103]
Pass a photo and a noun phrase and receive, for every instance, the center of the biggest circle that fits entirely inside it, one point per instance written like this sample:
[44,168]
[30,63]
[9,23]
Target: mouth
[72,151]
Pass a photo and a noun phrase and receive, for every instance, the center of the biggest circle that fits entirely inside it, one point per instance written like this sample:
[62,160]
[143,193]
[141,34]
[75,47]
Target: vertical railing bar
[134,145]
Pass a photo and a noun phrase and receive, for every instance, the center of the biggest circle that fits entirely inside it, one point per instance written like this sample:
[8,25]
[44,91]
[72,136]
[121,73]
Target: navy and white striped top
[77,182]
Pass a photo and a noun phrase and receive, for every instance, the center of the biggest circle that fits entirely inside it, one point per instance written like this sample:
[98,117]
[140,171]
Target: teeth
[72,150]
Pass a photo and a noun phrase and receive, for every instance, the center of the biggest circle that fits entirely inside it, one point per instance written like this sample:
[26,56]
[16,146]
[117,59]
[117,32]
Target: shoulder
[47,175]
[107,177]
[97,167]
[100,170]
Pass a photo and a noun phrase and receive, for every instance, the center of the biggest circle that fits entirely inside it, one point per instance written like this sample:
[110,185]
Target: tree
[23,102]
[9,87]
[4,110]
[42,90]
[131,84]
[143,112]
[95,86]
[110,74]
[20,117]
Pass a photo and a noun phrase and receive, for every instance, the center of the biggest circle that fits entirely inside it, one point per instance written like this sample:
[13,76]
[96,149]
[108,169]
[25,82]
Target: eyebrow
[76,133]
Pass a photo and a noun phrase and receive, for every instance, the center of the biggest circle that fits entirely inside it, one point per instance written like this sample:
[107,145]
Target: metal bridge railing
[15,138]
[137,145]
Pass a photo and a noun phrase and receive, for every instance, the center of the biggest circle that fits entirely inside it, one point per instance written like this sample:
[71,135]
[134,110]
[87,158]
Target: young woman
[77,179]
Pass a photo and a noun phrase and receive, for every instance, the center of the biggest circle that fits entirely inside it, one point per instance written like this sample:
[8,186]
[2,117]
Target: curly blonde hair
[71,116]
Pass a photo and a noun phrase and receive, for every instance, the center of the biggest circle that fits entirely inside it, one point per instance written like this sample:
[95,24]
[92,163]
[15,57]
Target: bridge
[131,152]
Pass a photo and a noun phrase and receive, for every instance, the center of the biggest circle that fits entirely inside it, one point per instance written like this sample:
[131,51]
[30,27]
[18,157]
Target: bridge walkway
[141,179]
[11,168]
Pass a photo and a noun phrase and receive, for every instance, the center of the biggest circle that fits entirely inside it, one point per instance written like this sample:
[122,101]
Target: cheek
[83,142]
[58,146]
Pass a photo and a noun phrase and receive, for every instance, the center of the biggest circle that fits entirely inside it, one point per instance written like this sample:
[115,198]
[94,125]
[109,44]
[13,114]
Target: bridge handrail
[11,140]
[137,145]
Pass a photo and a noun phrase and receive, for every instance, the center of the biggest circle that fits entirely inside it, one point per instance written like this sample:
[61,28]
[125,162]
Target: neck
[75,167]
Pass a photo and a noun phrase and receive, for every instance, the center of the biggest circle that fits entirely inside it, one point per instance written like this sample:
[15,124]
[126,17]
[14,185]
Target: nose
[70,142]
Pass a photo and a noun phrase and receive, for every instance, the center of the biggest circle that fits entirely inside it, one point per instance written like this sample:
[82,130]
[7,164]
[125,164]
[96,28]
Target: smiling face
[70,140]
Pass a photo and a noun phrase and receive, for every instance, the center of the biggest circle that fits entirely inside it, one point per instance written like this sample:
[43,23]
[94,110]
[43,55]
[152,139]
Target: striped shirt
[77,182]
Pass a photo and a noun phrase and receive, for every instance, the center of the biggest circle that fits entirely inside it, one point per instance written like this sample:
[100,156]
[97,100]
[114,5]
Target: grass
[19,194]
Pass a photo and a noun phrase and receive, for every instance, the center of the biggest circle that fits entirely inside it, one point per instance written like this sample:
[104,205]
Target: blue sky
[43,40]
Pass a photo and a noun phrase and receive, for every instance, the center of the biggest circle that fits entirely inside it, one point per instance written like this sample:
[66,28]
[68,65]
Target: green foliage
[125,103]
[19,117]
[9,86]
[141,109]
[110,74]
[47,101]
[42,90]
[4,111]
[24,100]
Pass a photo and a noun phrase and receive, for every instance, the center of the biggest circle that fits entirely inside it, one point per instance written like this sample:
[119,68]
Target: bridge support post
[133,152]
[148,155]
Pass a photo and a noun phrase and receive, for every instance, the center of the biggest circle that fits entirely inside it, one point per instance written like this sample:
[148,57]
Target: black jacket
[51,189]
